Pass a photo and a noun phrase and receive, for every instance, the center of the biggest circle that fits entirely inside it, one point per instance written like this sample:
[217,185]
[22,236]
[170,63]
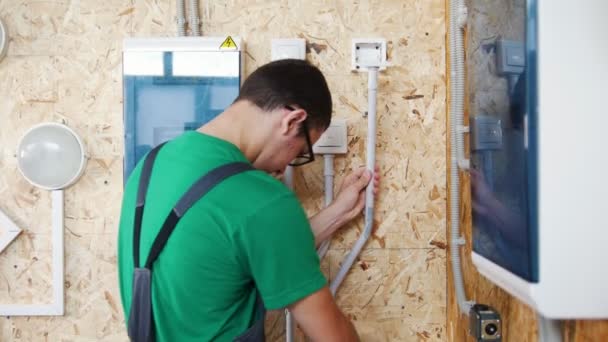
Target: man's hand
[351,196]
[347,205]
[484,201]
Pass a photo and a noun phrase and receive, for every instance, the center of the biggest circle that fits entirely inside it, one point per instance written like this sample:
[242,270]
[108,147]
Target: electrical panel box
[172,85]
[539,192]
[334,140]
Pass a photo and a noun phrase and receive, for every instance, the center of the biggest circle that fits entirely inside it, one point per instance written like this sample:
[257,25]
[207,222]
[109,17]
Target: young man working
[247,241]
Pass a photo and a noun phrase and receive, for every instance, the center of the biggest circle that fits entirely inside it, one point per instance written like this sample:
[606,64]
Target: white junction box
[368,52]
[334,140]
[288,48]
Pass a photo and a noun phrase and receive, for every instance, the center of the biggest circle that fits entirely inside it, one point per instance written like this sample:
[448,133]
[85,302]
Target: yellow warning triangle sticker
[228,44]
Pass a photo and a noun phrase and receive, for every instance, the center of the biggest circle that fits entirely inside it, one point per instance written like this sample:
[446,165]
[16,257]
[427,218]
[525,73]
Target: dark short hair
[289,82]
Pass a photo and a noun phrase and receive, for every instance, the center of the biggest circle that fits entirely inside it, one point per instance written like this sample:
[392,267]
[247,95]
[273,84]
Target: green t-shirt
[248,232]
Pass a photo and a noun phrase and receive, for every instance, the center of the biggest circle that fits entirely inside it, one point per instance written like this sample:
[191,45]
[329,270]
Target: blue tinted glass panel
[502,74]
[162,99]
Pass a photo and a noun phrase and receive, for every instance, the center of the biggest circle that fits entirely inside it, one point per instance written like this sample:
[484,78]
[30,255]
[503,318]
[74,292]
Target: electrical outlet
[486,133]
[334,140]
[288,48]
[368,53]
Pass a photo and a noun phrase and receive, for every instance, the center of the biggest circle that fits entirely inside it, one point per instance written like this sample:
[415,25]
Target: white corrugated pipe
[372,88]
[457,91]
[195,21]
[180,17]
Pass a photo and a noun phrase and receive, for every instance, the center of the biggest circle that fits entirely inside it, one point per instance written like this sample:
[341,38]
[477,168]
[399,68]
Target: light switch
[515,56]
[510,57]
[334,140]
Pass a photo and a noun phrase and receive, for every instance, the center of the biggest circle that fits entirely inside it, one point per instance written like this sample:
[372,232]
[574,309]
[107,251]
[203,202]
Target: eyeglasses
[308,157]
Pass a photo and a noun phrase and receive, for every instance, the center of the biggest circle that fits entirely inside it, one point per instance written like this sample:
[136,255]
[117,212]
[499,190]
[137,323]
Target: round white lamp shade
[51,156]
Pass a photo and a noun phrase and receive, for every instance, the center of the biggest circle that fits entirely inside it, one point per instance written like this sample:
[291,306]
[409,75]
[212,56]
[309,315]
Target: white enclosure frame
[56,307]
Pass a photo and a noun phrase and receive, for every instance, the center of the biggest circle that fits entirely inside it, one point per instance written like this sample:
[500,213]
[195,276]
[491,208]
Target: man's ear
[291,120]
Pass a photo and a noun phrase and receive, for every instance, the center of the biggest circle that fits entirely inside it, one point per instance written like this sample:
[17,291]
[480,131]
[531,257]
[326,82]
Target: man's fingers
[360,204]
[363,180]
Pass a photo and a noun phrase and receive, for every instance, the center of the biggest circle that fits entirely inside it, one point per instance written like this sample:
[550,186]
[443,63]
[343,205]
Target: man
[249,234]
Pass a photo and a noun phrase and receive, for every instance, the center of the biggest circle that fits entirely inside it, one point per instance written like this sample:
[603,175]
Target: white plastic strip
[8,231]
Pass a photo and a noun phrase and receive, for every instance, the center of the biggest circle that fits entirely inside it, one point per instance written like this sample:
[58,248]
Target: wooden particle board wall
[64,65]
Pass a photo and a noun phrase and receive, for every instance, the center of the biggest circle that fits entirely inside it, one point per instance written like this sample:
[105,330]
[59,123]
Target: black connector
[485,323]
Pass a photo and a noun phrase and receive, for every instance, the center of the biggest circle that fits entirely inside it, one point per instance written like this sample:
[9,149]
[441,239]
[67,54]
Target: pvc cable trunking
[372,87]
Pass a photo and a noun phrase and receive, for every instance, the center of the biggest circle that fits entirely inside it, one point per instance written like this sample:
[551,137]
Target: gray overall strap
[141,319]
[256,332]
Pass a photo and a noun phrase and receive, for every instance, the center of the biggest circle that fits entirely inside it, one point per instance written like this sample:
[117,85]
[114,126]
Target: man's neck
[237,125]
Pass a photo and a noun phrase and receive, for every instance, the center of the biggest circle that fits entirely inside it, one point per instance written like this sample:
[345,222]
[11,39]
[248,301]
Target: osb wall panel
[64,65]
[487,94]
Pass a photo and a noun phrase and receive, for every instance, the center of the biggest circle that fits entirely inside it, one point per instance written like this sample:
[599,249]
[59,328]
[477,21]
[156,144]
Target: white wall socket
[334,140]
[288,48]
[368,52]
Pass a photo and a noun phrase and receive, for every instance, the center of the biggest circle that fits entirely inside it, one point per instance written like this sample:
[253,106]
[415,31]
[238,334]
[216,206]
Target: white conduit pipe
[289,322]
[328,173]
[288,177]
[372,88]
[549,330]
[290,327]
[457,88]
[195,21]
[180,17]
